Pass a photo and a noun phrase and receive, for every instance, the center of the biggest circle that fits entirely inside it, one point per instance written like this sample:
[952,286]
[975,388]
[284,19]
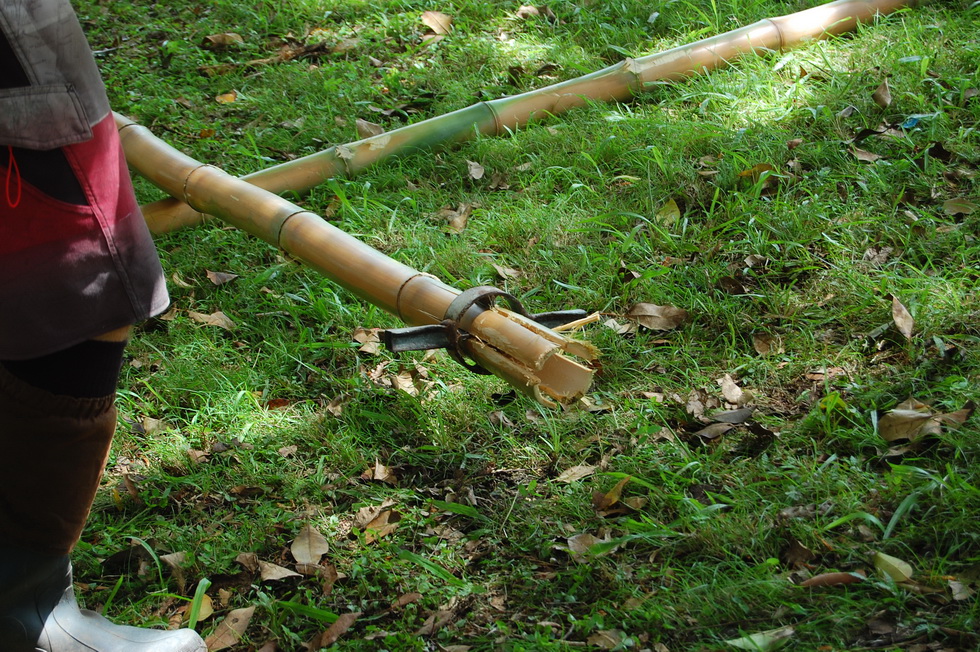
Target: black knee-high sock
[86,370]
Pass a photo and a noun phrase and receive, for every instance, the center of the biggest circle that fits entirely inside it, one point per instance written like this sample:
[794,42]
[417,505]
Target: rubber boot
[53,448]
[38,612]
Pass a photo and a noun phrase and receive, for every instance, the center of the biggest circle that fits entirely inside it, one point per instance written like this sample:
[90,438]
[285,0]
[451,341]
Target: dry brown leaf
[731,391]
[335,406]
[864,155]
[506,272]
[622,329]
[380,472]
[580,545]
[270,572]
[882,95]
[309,546]
[438,22]
[906,421]
[960,590]
[176,562]
[179,282]
[959,206]
[765,344]
[369,339]
[714,430]
[334,632]
[832,579]
[367,514]
[384,524]
[219,319]
[220,278]
[367,129]
[230,630]
[405,599]
[455,217]
[902,318]
[606,639]
[576,473]
[223,40]
[657,318]
[475,170]
[603,501]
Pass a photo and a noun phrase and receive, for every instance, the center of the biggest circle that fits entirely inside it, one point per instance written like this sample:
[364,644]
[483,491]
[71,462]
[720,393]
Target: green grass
[712,552]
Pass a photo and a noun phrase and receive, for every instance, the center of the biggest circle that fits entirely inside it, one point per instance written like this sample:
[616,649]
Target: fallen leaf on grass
[882,95]
[893,567]
[669,213]
[309,546]
[731,391]
[384,524]
[506,272]
[960,590]
[606,639]
[405,599]
[230,630]
[270,572]
[765,344]
[657,318]
[581,547]
[367,129]
[380,472]
[526,11]
[912,419]
[226,98]
[959,206]
[575,473]
[223,40]
[176,562]
[369,340]
[902,318]
[219,319]
[764,641]
[832,579]
[475,170]
[864,155]
[435,622]
[713,431]
[456,218]
[334,632]
[603,501]
[220,278]
[440,23]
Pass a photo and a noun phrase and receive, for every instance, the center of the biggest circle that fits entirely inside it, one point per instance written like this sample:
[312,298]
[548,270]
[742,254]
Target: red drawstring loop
[13,171]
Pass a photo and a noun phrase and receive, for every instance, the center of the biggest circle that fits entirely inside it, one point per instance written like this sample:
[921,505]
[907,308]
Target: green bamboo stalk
[533,359]
[618,82]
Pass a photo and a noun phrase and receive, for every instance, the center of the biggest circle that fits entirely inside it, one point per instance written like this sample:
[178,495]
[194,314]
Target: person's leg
[56,424]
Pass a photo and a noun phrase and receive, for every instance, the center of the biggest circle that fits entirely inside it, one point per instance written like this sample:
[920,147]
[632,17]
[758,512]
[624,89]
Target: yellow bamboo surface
[532,358]
[498,117]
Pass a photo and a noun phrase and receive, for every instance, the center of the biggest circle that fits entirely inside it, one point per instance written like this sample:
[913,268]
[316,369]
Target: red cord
[12,171]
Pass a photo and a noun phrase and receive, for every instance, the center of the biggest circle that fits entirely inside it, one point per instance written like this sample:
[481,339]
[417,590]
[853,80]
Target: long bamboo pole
[530,357]
[498,117]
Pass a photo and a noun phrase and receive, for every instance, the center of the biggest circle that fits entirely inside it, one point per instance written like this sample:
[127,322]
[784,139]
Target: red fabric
[67,272]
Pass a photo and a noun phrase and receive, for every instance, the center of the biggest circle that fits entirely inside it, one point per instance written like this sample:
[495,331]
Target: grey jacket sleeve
[65,96]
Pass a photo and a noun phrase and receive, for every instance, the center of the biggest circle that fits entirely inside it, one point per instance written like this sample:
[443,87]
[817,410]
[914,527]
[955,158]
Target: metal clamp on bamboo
[448,334]
[508,343]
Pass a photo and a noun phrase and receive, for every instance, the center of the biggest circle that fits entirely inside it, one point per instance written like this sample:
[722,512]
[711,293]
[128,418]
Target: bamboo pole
[618,82]
[532,358]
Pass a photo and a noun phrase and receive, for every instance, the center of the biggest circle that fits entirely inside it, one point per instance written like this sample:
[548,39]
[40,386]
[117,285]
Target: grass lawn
[794,463]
